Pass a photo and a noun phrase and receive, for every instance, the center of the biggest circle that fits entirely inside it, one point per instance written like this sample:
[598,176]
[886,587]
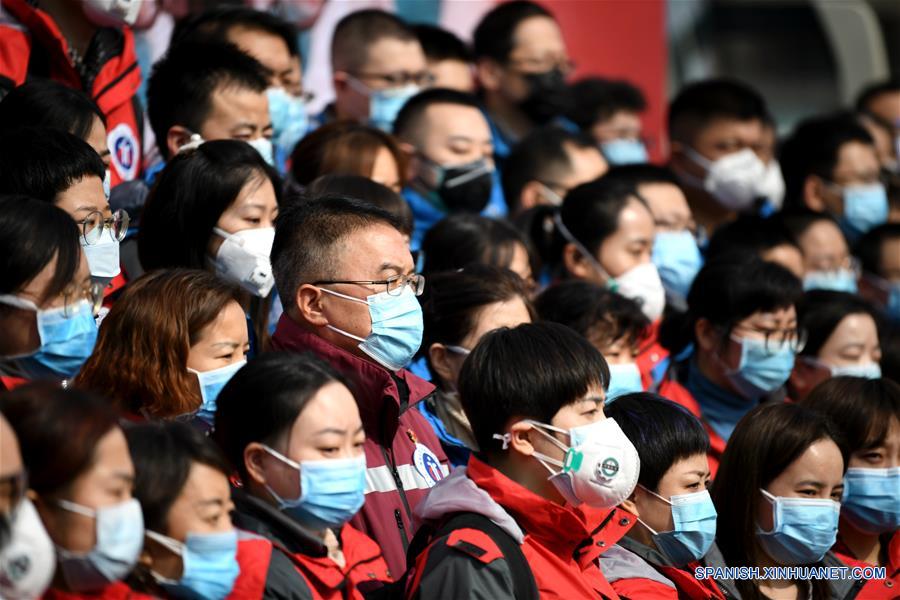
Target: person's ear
[339,81]
[630,503]
[575,263]
[532,195]
[254,455]
[707,335]
[520,438]
[814,193]
[489,73]
[309,305]
[176,137]
[440,363]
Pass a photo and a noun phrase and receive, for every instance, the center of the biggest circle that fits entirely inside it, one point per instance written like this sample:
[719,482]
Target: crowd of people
[453,337]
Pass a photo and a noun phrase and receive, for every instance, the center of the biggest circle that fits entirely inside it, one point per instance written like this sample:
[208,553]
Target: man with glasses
[348,284]
[377,64]
[521,65]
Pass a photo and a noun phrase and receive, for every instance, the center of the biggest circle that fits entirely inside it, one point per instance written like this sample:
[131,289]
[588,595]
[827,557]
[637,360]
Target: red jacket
[560,544]
[403,456]
[876,589]
[31,45]
[114,591]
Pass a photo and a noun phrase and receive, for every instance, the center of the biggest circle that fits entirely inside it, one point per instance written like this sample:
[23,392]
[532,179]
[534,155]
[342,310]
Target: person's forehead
[856,156]
[268,48]
[447,119]
[368,248]
[748,130]
[233,103]
[390,55]
[538,34]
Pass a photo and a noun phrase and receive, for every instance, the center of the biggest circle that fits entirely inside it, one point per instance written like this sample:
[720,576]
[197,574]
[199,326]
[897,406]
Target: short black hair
[215,23]
[461,240]
[495,34]
[281,384]
[814,147]
[539,156]
[593,311]
[821,311]
[529,372]
[48,104]
[355,33]
[870,248]
[189,197]
[163,454]
[699,103]
[749,234]
[43,163]
[182,84]
[661,431]
[409,119]
[307,233]
[363,188]
[871,91]
[597,99]
[861,408]
[33,233]
[441,44]
[637,175]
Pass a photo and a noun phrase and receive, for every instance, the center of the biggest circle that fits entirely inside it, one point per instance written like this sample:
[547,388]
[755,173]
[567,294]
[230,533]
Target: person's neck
[708,367]
[864,546]
[776,589]
[507,116]
[640,533]
[534,480]
[72,23]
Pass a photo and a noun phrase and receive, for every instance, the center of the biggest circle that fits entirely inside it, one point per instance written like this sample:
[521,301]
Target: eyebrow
[222,344]
[386,266]
[126,477]
[817,484]
[258,205]
[331,430]
[212,502]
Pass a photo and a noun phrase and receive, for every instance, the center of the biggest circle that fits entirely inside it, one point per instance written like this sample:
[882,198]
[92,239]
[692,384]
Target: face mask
[384,105]
[871,501]
[623,379]
[103,255]
[733,180]
[694,516]
[112,13]
[289,118]
[891,291]
[27,562]
[548,96]
[866,371]
[194,142]
[210,564]
[120,537]
[839,280]
[600,468]
[772,185]
[264,147]
[865,207]
[643,285]
[331,490]
[66,342]
[678,260]
[463,188]
[760,372]
[624,152]
[804,529]
[243,258]
[397,327]
[211,384]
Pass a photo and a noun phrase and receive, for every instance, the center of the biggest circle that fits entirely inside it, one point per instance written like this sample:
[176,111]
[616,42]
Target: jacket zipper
[398,516]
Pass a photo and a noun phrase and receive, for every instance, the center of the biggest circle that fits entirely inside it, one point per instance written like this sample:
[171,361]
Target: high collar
[720,408]
[558,528]
[381,395]
[256,515]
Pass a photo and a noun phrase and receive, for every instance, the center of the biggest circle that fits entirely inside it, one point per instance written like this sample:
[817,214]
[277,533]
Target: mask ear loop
[564,231]
[652,493]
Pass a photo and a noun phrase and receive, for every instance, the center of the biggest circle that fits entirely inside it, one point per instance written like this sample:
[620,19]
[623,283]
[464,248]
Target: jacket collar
[260,517]
[381,395]
[559,528]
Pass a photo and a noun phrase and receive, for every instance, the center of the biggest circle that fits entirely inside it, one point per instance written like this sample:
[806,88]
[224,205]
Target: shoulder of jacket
[474,544]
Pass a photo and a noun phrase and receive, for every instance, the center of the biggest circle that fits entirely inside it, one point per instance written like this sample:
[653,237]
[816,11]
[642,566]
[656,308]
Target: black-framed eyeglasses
[776,339]
[94,225]
[393,285]
[400,78]
[92,292]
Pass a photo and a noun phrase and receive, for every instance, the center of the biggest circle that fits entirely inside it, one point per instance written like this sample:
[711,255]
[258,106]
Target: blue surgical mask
[103,255]
[264,147]
[694,516]
[760,371]
[66,340]
[839,280]
[211,384]
[209,561]
[871,501]
[866,371]
[290,120]
[623,379]
[624,152]
[865,207]
[331,490]
[120,537]
[678,260]
[397,327]
[385,105]
[804,529]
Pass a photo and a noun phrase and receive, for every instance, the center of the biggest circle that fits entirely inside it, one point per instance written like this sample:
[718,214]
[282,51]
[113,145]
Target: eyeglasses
[400,78]
[533,66]
[776,339]
[393,285]
[93,226]
[74,294]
